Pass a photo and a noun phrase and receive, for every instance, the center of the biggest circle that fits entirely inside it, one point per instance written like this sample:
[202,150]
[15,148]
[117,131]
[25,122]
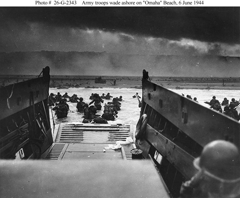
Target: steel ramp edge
[92,133]
[55,152]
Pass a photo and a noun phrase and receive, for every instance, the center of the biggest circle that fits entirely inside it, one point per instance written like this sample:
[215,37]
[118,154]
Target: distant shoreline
[137,85]
[168,87]
[134,82]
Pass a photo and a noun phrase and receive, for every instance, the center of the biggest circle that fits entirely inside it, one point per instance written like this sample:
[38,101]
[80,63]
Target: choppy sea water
[129,113]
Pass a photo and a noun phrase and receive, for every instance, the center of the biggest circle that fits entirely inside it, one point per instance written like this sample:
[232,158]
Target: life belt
[141,127]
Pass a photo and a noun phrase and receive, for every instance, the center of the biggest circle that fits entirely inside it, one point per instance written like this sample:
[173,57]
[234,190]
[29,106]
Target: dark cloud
[221,24]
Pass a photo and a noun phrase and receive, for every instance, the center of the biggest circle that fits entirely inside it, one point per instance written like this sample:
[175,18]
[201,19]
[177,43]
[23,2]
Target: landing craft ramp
[83,169]
[90,141]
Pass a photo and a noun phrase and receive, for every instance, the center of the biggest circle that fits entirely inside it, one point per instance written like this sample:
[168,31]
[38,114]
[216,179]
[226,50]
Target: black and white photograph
[119,102]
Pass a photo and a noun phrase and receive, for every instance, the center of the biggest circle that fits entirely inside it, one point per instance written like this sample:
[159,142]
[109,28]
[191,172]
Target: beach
[135,82]
[63,82]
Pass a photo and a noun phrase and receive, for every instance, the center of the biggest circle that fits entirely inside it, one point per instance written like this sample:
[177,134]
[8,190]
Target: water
[129,113]
[204,95]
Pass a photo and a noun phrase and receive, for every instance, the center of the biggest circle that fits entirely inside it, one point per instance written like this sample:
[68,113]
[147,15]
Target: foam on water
[129,113]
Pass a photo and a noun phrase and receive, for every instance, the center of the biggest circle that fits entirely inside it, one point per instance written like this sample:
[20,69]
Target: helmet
[221,159]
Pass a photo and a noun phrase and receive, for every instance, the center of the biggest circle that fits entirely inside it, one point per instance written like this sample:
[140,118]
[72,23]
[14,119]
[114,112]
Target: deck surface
[90,141]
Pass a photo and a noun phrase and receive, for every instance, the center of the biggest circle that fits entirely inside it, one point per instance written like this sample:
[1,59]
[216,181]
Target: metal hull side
[169,150]
[25,130]
[19,96]
[198,122]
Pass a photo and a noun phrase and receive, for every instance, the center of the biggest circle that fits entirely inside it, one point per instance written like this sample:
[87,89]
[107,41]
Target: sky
[133,30]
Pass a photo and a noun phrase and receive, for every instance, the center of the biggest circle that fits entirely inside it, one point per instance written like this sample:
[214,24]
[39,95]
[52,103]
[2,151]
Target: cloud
[211,24]
[33,36]
[127,40]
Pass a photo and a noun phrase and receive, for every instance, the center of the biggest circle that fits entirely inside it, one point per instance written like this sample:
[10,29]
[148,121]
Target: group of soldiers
[226,107]
[229,108]
[110,109]
[190,97]
[53,99]
[59,102]
[89,110]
